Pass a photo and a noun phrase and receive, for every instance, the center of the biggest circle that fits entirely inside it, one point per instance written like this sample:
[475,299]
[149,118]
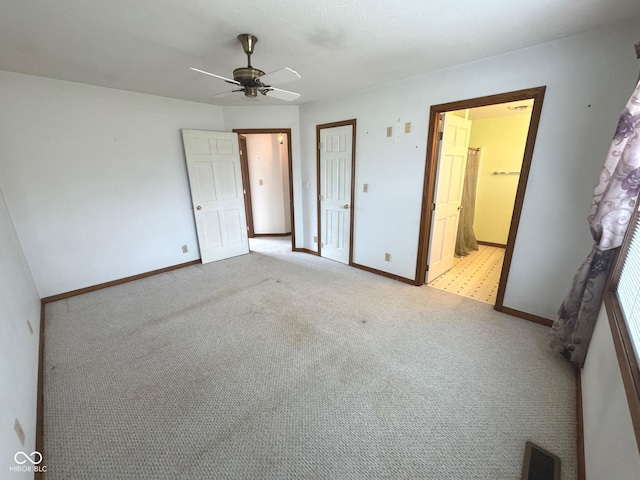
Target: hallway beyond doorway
[269,245]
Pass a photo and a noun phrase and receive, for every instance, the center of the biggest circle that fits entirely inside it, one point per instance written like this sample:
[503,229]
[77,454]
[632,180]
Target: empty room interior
[226,249]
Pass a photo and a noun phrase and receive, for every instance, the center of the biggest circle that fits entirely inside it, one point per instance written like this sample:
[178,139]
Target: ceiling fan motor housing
[248,76]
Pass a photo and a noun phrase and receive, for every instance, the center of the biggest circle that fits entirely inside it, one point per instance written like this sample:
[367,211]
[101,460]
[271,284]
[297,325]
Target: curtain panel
[466,241]
[614,201]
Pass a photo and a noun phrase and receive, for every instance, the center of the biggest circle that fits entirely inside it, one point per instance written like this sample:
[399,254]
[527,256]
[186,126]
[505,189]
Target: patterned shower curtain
[466,240]
[614,202]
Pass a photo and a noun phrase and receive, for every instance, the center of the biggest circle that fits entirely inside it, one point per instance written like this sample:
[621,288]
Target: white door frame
[343,123]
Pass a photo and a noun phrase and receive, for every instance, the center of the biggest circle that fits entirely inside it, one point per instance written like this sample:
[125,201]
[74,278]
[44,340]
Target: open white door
[213,163]
[335,192]
[452,163]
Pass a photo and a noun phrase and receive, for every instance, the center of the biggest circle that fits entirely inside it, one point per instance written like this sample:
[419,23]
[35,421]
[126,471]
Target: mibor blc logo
[28,462]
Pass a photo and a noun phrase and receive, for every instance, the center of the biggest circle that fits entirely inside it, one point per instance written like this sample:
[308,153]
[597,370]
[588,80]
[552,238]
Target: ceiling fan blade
[228,80]
[282,94]
[279,77]
[223,94]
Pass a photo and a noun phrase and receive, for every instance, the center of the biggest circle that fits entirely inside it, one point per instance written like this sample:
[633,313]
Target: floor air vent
[539,464]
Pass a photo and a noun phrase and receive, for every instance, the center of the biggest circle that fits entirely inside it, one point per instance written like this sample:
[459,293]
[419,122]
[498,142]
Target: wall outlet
[389,131]
[315,239]
[387,257]
[19,431]
[365,188]
[185,249]
[407,127]
[30,327]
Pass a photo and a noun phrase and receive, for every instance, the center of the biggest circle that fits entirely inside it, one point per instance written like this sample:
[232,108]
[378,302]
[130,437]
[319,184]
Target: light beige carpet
[283,365]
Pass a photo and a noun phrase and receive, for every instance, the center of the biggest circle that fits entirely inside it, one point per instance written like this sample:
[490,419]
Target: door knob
[345,206]
[198,207]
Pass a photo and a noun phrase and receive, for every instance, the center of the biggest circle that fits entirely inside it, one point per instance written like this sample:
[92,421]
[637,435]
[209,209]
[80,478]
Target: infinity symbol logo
[35,455]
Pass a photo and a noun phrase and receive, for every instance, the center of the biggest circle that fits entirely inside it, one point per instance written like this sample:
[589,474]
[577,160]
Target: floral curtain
[466,240]
[614,201]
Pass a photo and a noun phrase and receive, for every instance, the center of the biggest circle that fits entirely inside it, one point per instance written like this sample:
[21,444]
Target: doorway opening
[483,144]
[266,165]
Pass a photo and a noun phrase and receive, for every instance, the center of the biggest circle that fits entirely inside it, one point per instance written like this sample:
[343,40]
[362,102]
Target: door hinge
[244,191]
[427,269]
[440,135]
[319,146]
[433,207]
[247,228]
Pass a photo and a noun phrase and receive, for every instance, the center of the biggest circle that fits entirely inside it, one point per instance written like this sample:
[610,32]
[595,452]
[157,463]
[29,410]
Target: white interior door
[452,163]
[335,192]
[213,163]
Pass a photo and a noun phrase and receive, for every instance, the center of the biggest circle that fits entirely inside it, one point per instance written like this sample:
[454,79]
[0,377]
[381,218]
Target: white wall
[589,78]
[266,179]
[95,179]
[19,303]
[610,445]
[276,117]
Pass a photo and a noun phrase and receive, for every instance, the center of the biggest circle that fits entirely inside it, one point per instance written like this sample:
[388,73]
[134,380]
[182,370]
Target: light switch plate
[407,127]
[365,188]
[389,131]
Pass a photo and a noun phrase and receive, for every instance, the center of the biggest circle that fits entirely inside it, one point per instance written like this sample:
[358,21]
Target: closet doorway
[478,160]
[266,164]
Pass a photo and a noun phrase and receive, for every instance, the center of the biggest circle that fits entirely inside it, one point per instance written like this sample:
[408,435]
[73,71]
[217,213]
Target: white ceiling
[337,46]
[498,110]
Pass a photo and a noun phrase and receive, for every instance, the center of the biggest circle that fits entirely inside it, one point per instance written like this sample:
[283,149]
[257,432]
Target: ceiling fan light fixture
[250,92]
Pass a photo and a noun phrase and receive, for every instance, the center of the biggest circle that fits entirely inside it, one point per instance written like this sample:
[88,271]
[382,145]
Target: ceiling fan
[252,80]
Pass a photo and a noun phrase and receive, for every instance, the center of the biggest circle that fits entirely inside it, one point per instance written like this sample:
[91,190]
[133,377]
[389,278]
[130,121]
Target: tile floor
[474,276]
